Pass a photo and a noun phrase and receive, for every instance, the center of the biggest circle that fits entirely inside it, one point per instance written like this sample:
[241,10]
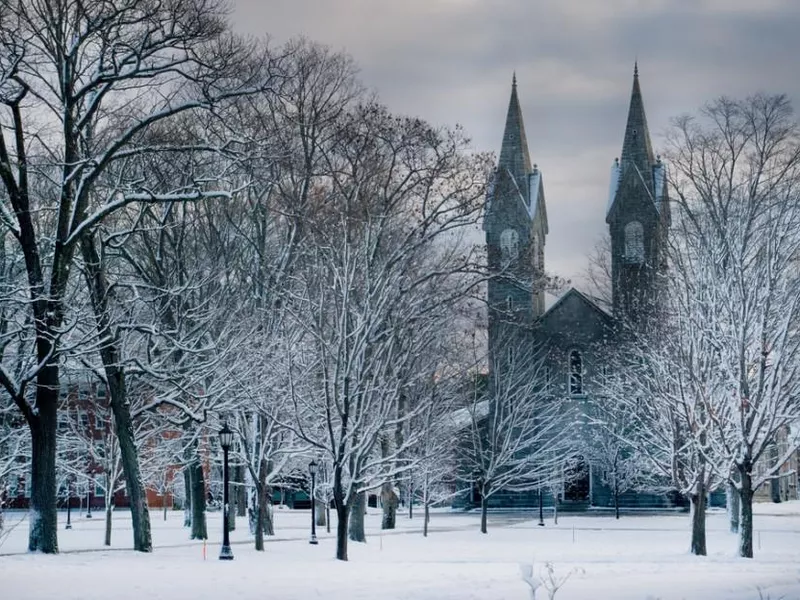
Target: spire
[514,154]
[636,148]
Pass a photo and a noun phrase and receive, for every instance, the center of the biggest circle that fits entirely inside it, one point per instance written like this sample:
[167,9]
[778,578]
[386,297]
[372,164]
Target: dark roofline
[582,296]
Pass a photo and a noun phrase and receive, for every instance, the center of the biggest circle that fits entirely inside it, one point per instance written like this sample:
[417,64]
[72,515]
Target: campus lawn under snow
[636,558]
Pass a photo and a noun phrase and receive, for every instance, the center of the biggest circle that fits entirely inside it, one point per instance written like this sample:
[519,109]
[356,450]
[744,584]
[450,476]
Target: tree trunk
[263,517]
[232,508]
[699,521]
[164,504]
[140,516]
[115,377]
[328,517]
[43,515]
[357,510]
[389,500]
[269,514]
[410,500]
[484,511]
[616,499]
[425,520]
[187,502]
[319,513]
[746,524]
[775,482]
[199,529]
[342,514]
[732,505]
[259,511]
[107,541]
[555,508]
[241,492]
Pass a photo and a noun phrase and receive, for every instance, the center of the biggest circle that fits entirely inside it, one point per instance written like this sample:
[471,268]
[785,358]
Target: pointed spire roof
[514,154]
[636,148]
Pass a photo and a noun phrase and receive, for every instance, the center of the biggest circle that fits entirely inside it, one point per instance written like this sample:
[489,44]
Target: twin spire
[636,147]
[514,154]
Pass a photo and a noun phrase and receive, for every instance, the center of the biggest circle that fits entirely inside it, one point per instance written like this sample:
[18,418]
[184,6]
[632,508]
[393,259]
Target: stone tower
[638,217]
[515,223]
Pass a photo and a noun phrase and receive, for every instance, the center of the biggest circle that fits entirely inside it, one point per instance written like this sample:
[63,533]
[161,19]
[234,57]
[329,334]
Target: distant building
[577,331]
[84,435]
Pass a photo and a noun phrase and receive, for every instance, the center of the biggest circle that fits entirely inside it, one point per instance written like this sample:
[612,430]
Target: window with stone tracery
[509,246]
[575,373]
[634,242]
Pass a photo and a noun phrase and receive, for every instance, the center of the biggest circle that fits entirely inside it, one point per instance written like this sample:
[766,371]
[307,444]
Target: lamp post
[69,502]
[541,511]
[226,441]
[312,468]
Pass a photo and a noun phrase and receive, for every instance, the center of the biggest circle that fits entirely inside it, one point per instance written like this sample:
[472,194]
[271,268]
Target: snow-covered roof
[582,296]
[464,417]
[490,192]
[489,198]
[616,173]
[534,184]
[660,181]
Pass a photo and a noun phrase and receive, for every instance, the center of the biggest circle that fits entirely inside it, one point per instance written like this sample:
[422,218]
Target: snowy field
[636,558]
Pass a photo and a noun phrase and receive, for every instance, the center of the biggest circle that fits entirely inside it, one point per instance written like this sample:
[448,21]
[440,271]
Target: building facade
[577,332]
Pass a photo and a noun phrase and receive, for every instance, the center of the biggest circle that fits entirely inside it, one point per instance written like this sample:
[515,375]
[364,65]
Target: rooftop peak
[636,147]
[514,154]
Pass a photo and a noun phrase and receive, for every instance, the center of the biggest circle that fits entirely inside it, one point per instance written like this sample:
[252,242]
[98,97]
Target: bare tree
[515,436]
[736,176]
[81,85]
[377,276]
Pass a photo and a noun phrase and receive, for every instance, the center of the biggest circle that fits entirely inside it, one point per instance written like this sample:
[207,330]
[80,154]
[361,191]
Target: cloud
[450,61]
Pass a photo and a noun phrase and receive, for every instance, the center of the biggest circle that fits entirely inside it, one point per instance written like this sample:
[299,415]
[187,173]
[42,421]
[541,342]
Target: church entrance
[576,488]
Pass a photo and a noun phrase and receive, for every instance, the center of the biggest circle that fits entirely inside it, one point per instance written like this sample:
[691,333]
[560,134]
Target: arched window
[634,242]
[575,373]
[509,245]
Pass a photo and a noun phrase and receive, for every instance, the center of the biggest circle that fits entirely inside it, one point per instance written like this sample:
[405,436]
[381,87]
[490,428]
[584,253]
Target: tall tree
[81,84]
[736,176]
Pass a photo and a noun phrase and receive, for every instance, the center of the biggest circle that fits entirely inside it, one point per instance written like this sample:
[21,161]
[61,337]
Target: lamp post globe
[225,441]
[312,469]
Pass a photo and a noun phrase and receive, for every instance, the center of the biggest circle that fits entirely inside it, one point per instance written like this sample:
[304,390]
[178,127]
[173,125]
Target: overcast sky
[451,61]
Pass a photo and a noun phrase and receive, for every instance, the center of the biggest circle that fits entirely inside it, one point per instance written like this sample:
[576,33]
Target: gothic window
[575,373]
[634,242]
[509,246]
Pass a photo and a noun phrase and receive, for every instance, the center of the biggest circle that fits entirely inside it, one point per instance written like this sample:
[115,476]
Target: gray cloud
[450,61]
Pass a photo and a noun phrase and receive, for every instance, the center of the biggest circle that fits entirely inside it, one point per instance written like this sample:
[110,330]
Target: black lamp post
[312,468]
[541,510]
[69,502]
[226,441]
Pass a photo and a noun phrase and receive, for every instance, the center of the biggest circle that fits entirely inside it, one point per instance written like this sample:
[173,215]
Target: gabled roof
[572,292]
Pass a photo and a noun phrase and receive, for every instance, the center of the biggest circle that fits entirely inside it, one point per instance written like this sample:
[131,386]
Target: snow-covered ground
[636,558]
